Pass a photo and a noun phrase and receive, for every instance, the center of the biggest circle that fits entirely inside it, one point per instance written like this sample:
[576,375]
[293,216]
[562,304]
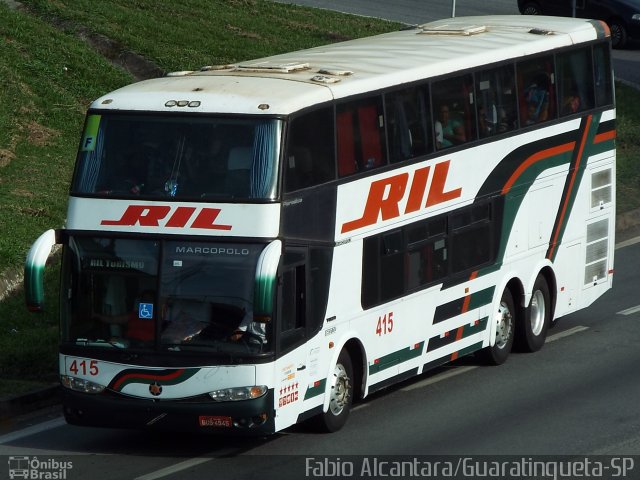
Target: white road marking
[460,370]
[627,243]
[33,430]
[178,467]
[566,333]
[630,311]
[438,378]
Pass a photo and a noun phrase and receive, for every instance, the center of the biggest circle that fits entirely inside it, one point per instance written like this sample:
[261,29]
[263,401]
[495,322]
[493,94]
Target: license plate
[215,421]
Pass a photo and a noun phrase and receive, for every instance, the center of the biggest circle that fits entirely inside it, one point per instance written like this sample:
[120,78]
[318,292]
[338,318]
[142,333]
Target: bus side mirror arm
[266,282]
[34,270]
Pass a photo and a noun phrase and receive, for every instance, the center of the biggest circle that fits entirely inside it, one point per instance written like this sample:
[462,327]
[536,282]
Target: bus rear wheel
[504,318]
[340,396]
[531,330]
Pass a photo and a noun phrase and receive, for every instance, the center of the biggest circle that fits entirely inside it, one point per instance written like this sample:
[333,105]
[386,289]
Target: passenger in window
[449,131]
[537,101]
[571,104]
[250,331]
[487,122]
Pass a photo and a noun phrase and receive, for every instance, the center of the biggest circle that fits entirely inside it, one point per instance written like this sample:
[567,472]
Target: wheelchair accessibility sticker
[145,310]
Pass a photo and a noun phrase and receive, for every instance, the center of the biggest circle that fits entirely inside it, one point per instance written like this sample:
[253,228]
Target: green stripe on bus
[450,337]
[470,349]
[395,358]
[454,308]
[148,377]
[316,389]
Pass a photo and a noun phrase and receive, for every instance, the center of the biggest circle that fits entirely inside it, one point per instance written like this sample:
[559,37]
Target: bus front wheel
[340,396]
[504,318]
[531,330]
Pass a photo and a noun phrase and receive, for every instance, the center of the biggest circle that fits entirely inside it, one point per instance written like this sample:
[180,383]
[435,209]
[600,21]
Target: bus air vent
[215,68]
[180,74]
[455,30]
[324,79]
[335,71]
[597,251]
[601,189]
[540,31]
[272,67]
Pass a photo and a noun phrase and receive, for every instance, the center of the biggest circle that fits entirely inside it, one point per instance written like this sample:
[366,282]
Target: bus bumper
[246,417]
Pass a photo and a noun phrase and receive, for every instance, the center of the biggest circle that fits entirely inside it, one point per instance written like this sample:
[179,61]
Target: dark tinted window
[408,123]
[309,159]
[575,81]
[360,136]
[537,93]
[454,111]
[424,253]
[602,74]
[496,101]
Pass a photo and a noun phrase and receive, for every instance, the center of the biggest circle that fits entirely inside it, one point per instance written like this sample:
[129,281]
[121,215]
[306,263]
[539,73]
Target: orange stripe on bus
[603,137]
[571,182]
[467,298]
[536,157]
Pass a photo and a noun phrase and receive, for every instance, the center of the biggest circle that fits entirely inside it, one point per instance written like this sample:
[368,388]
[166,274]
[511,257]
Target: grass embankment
[48,76]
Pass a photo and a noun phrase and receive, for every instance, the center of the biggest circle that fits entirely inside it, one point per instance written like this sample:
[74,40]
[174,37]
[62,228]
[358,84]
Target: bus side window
[309,159]
[360,136]
[427,259]
[293,306]
[382,268]
[536,91]
[575,81]
[454,111]
[408,123]
[496,101]
[471,237]
[602,74]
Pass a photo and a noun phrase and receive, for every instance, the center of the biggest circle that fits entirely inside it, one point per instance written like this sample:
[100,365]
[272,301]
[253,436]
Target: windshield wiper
[85,342]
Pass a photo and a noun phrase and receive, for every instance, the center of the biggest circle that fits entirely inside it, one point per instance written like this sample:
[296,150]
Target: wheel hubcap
[505,324]
[340,390]
[616,34]
[537,312]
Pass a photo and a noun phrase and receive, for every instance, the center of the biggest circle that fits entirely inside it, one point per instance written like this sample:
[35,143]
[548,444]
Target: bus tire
[531,8]
[618,33]
[340,396]
[497,353]
[531,331]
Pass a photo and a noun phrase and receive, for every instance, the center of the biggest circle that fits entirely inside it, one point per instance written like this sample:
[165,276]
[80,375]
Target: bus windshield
[161,295]
[217,158]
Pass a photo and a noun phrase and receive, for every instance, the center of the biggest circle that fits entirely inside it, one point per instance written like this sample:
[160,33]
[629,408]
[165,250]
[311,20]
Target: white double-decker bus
[253,245]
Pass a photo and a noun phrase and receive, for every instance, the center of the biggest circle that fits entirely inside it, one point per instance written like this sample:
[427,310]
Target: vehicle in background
[622,16]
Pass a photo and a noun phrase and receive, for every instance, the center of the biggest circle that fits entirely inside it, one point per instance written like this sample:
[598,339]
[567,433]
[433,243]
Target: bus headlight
[238,393]
[80,384]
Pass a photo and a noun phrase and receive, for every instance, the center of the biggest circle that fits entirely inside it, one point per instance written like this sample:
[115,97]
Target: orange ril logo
[385,195]
[167,216]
